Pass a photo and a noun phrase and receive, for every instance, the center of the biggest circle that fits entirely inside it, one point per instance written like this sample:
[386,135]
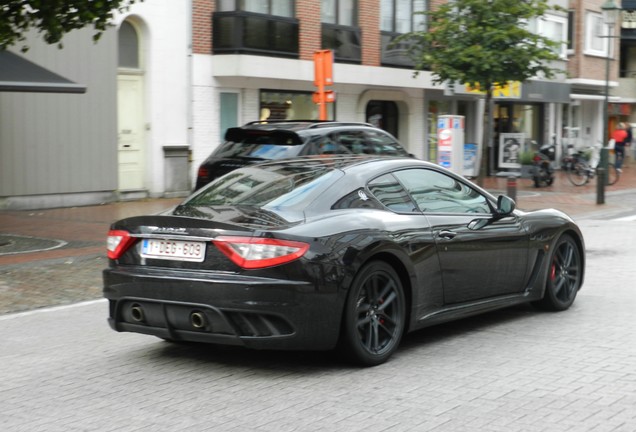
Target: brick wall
[308,13]
[202,26]
[589,66]
[369,22]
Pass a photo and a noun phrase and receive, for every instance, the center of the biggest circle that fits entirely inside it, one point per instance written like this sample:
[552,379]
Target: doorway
[130,115]
[384,115]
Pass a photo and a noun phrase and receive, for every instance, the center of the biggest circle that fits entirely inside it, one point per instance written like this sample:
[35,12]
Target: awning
[18,74]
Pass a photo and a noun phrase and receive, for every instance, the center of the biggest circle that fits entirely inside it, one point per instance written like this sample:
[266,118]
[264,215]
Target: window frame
[394,16]
[563,41]
[592,35]
[239,5]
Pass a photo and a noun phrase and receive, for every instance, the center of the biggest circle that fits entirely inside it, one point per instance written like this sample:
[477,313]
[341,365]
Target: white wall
[165,26]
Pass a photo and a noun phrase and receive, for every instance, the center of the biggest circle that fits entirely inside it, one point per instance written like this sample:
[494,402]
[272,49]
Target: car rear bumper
[254,312]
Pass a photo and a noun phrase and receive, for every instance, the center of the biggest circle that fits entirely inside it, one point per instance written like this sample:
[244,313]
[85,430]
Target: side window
[435,192]
[391,194]
[357,199]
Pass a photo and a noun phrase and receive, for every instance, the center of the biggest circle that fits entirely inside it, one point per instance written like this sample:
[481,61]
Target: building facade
[254,61]
[127,137]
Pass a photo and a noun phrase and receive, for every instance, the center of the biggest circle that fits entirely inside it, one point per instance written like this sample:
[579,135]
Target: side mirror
[505,206]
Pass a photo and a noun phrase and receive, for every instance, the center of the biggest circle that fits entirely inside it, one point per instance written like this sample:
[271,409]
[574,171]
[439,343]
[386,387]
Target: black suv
[260,141]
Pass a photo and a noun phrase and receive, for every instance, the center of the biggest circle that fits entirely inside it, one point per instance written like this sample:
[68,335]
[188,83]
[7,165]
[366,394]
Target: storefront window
[281,105]
[518,120]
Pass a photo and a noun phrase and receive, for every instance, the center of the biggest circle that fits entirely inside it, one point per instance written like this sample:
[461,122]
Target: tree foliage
[54,18]
[484,43]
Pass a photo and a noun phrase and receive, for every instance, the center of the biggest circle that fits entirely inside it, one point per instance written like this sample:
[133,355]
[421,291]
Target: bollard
[600,185]
[512,187]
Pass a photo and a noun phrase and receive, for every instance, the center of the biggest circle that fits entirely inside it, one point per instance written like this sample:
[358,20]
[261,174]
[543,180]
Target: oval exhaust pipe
[197,319]
[137,313]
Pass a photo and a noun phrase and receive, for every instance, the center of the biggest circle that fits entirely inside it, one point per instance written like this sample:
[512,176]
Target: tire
[578,174]
[564,276]
[374,317]
[612,174]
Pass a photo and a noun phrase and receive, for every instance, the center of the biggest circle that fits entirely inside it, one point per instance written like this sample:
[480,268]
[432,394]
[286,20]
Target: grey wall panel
[63,143]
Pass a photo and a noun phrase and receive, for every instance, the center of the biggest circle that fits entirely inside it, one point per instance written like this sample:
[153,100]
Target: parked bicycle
[580,171]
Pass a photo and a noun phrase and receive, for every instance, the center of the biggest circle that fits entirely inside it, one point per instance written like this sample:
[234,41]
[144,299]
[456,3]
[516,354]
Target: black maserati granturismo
[346,252]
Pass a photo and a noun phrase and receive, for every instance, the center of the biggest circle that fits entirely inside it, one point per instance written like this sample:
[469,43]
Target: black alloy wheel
[564,276]
[375,315]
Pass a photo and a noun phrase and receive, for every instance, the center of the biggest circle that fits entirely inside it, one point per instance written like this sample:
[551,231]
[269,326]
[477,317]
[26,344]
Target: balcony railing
[395,54]
[344,41]
[239,32]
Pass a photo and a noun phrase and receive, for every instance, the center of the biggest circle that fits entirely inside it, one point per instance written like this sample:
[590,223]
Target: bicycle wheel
[578,173]
[612,174]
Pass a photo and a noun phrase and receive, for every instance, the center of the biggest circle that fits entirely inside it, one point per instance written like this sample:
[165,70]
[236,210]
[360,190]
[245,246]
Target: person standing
[620,137]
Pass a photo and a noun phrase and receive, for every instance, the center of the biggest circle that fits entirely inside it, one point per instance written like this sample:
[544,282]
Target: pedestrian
[620,137]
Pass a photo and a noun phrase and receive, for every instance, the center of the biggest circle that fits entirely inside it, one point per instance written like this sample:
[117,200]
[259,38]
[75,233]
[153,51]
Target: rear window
[272,187]
[259,144]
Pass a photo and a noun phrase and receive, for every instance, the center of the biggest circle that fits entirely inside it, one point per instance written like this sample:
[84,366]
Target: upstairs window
[399,16]
[283,8]
[554,28]
[596,41]
[341,12]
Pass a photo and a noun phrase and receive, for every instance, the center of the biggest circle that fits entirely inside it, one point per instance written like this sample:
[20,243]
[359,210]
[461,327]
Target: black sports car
[345,251]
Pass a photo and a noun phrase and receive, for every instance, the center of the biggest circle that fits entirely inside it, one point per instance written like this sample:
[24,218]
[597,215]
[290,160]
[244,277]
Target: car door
[409,228]
[476,263]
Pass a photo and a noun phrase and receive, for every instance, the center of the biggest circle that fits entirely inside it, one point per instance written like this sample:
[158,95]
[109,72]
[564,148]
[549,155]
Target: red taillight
[255,252]
[118,242]
[536,158]
[203,172]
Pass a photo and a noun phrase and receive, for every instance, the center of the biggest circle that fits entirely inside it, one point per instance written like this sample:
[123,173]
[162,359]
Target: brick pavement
[72,272]
[514,370]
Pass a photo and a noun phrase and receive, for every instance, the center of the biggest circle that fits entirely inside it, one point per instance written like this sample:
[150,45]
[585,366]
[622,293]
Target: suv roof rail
[314,123]
[337,123]
[282,121]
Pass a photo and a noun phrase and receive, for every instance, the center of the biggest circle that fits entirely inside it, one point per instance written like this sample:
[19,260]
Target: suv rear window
[356,142]
[259,144]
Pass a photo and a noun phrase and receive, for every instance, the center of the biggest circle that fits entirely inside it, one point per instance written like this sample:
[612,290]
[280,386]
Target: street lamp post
[610,16]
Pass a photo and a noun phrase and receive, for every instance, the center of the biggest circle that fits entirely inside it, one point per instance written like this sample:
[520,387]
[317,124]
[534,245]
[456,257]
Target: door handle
[447,235]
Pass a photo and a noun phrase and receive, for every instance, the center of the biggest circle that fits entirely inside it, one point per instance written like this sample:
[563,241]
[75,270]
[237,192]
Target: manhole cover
[15,244]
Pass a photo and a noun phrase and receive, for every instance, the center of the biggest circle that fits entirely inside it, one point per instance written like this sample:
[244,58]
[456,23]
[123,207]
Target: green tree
[54,18]
[484,43]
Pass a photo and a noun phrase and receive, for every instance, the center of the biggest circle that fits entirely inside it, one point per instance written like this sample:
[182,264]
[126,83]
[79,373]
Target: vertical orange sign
[323,76]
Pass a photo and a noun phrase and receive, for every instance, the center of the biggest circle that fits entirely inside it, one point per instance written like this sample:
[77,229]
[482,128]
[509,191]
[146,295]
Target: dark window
[253,33]
[571,26]
[340,31]
[396,18]
[383,115]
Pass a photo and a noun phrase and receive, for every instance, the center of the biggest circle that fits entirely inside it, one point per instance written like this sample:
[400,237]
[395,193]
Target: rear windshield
[272,187]
[259,144]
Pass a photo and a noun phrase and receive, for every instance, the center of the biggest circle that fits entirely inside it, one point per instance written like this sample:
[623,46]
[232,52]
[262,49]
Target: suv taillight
[203,173]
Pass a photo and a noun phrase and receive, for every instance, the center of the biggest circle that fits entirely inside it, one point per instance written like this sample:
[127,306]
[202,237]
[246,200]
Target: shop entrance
[383,115]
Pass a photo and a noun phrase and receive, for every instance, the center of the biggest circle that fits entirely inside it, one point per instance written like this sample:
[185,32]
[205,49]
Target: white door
[130,132]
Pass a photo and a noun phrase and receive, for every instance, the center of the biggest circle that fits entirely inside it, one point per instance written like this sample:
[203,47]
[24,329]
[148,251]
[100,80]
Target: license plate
[173,250]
